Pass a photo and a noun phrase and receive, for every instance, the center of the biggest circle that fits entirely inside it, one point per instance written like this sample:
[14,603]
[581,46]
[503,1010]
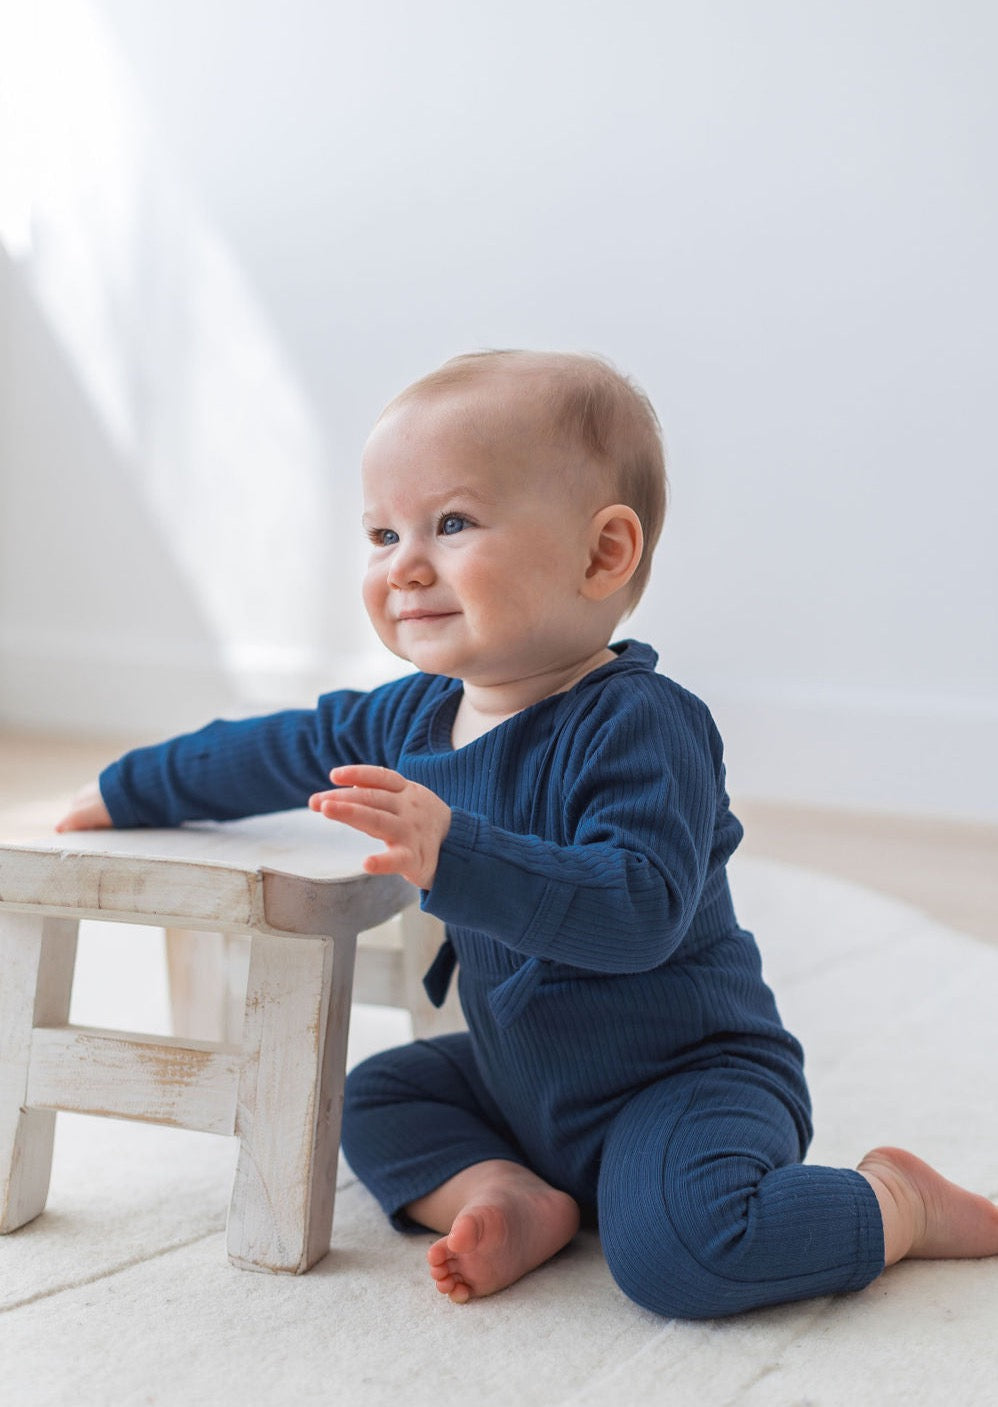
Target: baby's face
[478,549]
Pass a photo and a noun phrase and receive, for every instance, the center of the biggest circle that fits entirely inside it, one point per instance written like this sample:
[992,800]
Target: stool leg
[207,976]
[37,956]
[290,1101]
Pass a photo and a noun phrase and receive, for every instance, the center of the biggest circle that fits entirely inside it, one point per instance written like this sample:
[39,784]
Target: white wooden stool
[293,884]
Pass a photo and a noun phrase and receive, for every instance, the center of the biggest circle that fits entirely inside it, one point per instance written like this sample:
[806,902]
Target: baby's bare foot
[925,1216]
[512,1222]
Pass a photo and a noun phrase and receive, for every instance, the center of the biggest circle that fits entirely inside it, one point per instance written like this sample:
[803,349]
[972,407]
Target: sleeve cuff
[122,813]
[478,887]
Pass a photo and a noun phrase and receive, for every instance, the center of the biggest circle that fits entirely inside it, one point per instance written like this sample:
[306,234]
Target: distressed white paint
[207,978]
[118,1074]
[288,1125]
[37,953]
[294,885]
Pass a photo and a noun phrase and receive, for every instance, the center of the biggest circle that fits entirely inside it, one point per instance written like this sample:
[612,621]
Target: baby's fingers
[395,859]
[373,820]
[337,803]
[87,811]
[364,774]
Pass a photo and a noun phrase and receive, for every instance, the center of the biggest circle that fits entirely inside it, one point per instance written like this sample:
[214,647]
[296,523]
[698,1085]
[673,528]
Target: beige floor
[947,868]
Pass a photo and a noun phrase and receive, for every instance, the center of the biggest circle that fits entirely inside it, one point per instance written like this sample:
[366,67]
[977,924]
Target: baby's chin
[424,658]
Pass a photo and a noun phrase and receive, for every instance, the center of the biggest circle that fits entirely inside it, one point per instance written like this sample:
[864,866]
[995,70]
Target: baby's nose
[409,566]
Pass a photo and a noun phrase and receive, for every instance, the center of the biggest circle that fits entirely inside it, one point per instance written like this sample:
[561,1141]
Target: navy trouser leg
[705,1209]
[415,1116]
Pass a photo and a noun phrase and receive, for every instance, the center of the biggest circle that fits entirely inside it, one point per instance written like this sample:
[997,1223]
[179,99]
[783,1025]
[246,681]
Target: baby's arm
[641,827]
[87,811]
[252,766]
[410,819]
[224,771]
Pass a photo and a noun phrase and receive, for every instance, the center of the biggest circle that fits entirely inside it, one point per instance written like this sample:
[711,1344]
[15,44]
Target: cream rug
[121,1293]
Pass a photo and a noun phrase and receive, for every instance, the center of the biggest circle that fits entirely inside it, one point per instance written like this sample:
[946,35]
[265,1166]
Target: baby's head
[512,500]
[574,417]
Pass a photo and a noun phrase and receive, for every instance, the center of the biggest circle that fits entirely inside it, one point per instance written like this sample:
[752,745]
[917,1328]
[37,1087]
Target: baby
[562,807]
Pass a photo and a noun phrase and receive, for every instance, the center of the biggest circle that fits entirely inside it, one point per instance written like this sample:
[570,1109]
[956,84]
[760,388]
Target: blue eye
[383,537]
[452,523]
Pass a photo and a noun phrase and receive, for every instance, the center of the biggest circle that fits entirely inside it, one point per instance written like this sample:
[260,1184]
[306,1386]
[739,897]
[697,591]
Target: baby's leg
[705,1209]
[424,1136]
[925,1216]
[502,1221]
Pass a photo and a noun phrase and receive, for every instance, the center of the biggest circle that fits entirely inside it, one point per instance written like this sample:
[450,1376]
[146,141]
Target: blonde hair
[587,403]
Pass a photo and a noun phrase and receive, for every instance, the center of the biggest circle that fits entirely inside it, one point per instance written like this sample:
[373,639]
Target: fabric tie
[507,1002]
[439,973]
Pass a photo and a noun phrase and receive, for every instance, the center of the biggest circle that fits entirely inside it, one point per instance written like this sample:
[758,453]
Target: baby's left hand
[409,818]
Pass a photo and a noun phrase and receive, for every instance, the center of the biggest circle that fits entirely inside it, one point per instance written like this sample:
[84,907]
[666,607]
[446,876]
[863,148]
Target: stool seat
[293,883]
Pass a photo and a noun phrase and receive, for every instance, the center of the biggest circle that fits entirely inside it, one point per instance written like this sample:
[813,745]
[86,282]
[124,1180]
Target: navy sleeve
[252,766]
[622,894]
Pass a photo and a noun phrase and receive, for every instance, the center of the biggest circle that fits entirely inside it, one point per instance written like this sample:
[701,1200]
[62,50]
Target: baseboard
[861,750]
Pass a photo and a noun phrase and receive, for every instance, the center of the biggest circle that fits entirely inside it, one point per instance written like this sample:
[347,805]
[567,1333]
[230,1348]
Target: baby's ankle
[902,1209]
[925,1215]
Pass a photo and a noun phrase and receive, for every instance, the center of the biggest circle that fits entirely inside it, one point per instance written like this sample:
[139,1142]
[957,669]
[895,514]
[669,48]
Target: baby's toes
[439,1253]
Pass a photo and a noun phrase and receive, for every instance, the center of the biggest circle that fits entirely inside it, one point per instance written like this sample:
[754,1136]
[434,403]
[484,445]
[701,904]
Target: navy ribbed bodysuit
[621,1040]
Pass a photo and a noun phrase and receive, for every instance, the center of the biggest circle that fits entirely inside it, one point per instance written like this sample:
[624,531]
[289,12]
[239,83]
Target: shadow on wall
[162,484]
[94,607]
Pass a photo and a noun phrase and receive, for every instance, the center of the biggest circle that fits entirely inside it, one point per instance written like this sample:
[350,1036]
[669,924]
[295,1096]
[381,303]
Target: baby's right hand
[87,811]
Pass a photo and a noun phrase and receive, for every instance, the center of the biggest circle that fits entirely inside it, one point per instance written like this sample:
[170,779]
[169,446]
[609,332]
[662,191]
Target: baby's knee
[371,1096]
[654,1268]
[373,1082]
[390,1080]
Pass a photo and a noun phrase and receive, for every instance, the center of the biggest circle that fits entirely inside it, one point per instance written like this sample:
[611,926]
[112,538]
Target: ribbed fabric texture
[703,1206]
[584,889]
[591,829]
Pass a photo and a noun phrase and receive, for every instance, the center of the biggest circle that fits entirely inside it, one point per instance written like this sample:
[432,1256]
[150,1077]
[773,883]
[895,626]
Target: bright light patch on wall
[15,197]
[166,340]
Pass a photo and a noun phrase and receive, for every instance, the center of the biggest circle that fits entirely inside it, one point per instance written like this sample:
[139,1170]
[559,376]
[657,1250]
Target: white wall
[780,218]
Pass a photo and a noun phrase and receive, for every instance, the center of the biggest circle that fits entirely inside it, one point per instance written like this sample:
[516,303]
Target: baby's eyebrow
[461,491]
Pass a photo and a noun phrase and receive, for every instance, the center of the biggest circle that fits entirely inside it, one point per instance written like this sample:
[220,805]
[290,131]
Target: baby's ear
[615,546]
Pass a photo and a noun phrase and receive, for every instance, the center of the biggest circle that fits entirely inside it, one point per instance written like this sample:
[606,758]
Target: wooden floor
[947,868]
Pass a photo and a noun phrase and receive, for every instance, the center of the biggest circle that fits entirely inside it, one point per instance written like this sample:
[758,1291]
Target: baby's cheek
[374,592]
